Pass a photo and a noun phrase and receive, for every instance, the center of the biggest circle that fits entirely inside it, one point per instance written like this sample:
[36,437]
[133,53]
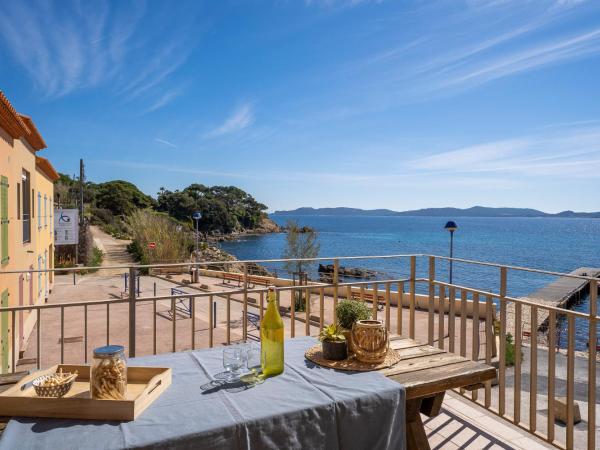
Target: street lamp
[451,227]
[197,216]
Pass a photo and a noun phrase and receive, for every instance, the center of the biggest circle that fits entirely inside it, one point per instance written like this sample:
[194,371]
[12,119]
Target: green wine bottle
[271,337]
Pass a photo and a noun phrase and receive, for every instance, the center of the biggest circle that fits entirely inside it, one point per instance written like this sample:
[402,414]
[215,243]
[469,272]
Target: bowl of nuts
[54,384]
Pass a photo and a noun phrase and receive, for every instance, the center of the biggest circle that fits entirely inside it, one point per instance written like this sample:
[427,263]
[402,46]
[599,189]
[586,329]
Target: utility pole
[81,183]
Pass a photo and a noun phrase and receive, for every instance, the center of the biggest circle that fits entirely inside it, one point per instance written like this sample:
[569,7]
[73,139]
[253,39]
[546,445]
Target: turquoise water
[554,244]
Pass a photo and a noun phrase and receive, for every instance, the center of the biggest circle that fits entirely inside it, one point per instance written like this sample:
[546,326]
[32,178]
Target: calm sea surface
[560,245]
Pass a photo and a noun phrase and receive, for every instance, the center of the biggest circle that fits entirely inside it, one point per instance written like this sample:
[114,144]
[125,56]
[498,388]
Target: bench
[369,296]
[228,277]
[258,280]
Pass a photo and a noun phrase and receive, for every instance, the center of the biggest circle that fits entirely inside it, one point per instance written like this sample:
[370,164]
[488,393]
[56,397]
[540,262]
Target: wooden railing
[533,371]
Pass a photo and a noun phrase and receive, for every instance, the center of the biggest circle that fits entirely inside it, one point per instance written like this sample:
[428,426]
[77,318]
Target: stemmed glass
[232,362]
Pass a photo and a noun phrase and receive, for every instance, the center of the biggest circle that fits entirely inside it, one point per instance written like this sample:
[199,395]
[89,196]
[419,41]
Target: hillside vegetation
[124,211]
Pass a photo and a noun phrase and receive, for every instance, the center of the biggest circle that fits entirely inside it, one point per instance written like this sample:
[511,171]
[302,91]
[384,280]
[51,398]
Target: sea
[553,244]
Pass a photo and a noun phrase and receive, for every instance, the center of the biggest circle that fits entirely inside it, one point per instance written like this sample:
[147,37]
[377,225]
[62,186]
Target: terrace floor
[462,424]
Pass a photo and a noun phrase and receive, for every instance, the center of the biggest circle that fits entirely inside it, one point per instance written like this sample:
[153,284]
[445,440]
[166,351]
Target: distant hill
[338,212]
[475,211]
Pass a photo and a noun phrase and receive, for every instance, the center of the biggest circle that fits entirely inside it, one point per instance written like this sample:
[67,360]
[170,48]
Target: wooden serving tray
[144,385]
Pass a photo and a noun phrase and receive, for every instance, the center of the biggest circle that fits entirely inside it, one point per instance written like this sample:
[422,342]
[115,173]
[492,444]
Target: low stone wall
[421,301]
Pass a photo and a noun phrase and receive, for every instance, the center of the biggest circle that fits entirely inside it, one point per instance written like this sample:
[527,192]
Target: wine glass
[232,362]
[253,362]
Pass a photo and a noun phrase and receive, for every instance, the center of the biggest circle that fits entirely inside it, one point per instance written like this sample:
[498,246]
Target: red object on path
[152,245]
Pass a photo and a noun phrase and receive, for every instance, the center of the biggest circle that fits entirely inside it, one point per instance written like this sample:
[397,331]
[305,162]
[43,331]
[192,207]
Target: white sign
[66,230]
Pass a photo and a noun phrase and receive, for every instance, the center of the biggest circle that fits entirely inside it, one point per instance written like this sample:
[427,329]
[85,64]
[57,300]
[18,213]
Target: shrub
[95,260]
[172,243]
[349,311]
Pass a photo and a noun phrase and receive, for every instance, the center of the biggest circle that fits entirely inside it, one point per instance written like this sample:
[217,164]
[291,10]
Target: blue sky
[383,104]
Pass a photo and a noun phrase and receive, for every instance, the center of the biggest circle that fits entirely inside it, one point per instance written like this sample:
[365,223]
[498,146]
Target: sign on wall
[66,230]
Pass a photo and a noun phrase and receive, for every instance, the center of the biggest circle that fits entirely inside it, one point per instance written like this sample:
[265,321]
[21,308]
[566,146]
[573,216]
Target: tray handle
[153,388]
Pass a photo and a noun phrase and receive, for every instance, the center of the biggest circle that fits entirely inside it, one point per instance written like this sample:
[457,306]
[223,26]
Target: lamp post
[451,227]
[197,216]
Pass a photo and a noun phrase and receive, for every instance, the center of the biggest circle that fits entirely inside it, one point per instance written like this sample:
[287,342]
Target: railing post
[592,366]
[336,273]
[245,313]
[132,274]
[430,318]
[411,318]
[502,349]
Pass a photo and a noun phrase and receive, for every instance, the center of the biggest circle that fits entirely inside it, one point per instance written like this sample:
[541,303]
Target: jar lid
[108,351]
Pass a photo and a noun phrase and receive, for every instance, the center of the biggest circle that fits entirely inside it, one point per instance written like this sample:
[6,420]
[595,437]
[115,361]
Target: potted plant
[348,312]
[334,343]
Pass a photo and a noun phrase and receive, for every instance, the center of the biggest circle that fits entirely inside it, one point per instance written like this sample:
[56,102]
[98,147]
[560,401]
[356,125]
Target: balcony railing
[540,369]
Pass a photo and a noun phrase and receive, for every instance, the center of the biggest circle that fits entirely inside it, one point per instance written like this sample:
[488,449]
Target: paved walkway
[115,251]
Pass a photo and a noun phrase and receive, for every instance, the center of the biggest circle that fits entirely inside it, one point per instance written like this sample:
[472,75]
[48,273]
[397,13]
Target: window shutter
[4,219]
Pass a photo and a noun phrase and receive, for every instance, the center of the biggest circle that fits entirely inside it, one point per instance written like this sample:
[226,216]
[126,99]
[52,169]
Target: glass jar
[108,376]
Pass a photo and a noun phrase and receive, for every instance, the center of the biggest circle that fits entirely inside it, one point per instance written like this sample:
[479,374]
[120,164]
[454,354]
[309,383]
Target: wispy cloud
[66,47]
[466,47]
[564,154]
[162,141]
[242,117]
[164,100]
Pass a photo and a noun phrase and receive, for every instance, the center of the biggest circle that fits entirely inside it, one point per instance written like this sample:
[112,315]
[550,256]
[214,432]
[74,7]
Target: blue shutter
[4,220]
[39,205]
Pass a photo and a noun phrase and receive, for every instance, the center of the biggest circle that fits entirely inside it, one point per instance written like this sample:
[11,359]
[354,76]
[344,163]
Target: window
[18,201]
[25,186]
[4,220]
[39,275]
[45,211]
[39,207]
[32,201]
[46,273]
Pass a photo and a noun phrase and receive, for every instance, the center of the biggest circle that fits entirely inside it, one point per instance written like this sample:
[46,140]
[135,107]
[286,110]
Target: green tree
[121,197]
[224,208]
[300,243]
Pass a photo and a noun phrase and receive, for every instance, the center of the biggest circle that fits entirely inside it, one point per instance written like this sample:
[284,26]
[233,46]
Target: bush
[349,311]
[299,301]
[95,260]
[172,243]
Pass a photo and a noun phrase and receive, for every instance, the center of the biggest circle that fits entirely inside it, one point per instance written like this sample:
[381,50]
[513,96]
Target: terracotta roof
[33,136]
[10,119]
[18,125]
[46,167]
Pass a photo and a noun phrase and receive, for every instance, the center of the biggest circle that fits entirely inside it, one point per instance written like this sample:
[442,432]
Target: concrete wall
[25,289]
[421,301]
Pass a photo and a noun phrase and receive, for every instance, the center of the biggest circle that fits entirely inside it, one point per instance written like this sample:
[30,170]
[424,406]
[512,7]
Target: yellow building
[27,226]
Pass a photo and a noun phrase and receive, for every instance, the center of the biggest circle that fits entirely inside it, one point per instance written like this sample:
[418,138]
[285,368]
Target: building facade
[26,229]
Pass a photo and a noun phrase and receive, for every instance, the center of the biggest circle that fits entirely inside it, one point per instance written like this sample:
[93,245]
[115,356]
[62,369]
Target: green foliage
[224,208]
[509,350]
[120,197]
[95,260]
[349,311]
[332,333]
[299,301]
[300,244]
[145,226]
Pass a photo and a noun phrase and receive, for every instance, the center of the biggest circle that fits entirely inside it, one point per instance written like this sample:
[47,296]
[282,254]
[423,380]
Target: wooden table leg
[416,439]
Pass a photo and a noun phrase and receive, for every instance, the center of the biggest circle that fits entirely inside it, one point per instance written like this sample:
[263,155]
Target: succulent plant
[332,333]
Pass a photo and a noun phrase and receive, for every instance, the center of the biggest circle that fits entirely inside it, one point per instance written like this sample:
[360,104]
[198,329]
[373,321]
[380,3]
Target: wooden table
[427,373]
